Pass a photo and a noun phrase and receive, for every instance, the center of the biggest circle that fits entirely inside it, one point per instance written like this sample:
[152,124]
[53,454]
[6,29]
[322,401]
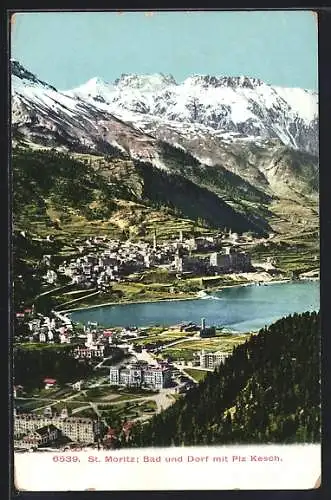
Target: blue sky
[68,48]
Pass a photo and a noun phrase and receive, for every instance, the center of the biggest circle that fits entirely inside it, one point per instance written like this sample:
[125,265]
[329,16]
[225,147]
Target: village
[104,261]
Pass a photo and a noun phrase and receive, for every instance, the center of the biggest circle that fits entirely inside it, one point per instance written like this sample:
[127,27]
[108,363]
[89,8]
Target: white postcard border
[251,467]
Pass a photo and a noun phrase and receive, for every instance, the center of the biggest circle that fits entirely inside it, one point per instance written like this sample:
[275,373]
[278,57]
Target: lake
[238,309]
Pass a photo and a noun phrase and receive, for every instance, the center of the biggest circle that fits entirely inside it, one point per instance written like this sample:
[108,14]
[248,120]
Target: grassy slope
[50,186]
[198,375]
[107,196]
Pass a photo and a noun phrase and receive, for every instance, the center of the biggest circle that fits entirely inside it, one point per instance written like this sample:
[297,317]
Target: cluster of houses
[60,431]
[99,265]
[226,261]
[119,259]
[227,257]
[99,344]
[40,328]
[92,342]
[36,430]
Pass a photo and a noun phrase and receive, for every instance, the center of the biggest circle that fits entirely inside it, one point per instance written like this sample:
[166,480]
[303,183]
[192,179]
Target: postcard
[166,324]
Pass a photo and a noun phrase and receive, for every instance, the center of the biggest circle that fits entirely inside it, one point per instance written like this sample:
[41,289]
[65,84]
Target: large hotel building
[140,375]
[77,429]
[212,359]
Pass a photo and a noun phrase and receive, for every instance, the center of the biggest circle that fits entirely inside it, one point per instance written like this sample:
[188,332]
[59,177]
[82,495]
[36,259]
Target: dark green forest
[32,365]
[267,392]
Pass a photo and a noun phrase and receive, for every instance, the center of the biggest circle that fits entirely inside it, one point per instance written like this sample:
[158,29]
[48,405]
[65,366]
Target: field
[100,401]
[126,293]
[128,411]
[185,350]
[295,218]
[218,343]
[291,258]
[28,405]
[56,393]
[162,339]
[30,346]
[198,375]
[137,219]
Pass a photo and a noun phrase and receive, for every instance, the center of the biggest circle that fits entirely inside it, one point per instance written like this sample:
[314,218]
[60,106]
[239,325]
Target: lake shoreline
[178,299]
[105,304]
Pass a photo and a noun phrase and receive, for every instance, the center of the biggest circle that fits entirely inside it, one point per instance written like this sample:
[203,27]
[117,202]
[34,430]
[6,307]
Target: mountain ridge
[244,105]
[206,78]
[244,171]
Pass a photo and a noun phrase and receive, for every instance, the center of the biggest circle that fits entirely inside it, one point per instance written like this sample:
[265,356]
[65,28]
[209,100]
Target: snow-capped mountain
[240,124]
[23,79]
[232,108]
[46,116]
[222,147]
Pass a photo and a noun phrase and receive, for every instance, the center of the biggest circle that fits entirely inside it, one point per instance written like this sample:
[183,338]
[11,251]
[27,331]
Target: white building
[64,338]
[51,277]
[77,386]
[140,375]
[89,339]
[95,351]
[212,359]
[77,279]
[34,325]
[231,260]
[42,337]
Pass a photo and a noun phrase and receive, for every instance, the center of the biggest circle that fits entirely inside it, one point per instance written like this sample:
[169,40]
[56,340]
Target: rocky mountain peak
[94,86]
[224,81]
[144,82]
[25,76]
[243,81]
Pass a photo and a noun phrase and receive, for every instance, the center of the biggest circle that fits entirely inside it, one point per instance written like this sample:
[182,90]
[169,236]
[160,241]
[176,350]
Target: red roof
[49,381]
[111,432]
[127,425]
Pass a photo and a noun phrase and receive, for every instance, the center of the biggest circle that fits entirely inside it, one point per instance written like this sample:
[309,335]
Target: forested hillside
[50,181]
[55,187]
[194,201]
[267,392]
[34,363]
